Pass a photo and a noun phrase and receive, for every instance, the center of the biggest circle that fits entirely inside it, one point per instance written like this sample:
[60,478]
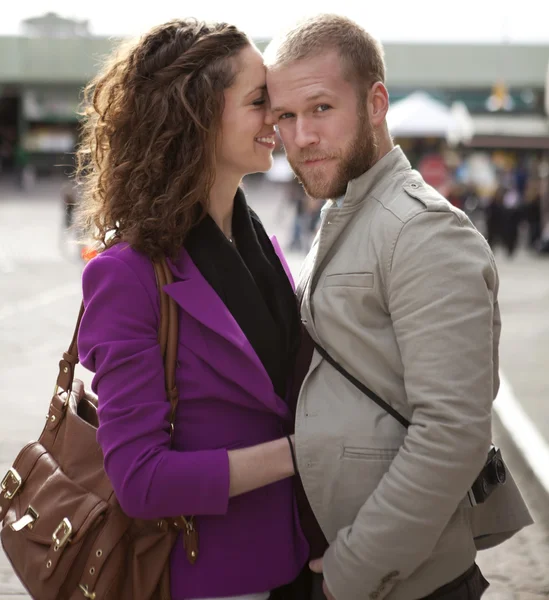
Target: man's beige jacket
[400,289]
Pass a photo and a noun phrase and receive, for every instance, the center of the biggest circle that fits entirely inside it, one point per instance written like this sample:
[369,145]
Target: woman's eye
[259,102]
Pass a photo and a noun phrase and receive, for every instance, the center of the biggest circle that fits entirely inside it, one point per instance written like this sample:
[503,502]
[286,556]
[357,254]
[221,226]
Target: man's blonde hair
[361,54]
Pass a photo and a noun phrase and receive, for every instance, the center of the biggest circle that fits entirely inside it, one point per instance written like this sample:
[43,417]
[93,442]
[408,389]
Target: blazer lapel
[283,261]
[240,363]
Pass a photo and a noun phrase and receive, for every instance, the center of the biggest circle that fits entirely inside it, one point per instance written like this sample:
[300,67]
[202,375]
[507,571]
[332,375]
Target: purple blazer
[248,544]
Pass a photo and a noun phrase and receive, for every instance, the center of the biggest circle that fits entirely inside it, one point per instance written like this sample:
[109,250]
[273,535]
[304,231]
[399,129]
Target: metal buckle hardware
[26,520]
[12,476]
[65,528]
[86,592]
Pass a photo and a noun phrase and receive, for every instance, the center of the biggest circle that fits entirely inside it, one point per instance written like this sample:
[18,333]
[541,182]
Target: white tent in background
[420,115]
[462,128]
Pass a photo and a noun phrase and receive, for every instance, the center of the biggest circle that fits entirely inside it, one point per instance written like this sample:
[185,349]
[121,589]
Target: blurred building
[51,25]
[42,73]
[43,70]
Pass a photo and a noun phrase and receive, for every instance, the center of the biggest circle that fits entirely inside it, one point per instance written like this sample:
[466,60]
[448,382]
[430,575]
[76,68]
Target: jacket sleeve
[441,290]
[118,342]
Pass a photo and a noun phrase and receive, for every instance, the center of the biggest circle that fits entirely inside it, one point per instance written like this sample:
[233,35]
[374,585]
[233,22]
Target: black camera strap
[360,386]
[477,494]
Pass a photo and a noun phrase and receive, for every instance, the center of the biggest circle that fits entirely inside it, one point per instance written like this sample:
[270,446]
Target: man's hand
[316,567]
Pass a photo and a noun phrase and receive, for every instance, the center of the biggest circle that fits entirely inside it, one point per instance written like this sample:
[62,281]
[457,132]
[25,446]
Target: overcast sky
[390,20]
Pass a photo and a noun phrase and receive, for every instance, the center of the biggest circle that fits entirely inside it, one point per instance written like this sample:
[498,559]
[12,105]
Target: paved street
[524,299]
[39,300]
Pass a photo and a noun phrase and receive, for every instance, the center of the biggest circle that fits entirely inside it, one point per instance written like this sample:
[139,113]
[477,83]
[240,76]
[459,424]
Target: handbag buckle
[65,529]
[87,594]
[11,477]
[27,520]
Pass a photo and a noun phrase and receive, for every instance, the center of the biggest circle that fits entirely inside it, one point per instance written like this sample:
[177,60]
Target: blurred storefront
[473,118]
[499,89]
[42,74]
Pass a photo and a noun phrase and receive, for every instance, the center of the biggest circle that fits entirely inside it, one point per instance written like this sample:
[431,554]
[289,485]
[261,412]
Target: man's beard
[360,156]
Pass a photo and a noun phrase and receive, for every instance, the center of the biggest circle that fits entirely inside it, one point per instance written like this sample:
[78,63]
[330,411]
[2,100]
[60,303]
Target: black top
[249,278]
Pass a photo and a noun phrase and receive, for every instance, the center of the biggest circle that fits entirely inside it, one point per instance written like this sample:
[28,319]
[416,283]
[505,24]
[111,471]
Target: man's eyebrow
[310,98]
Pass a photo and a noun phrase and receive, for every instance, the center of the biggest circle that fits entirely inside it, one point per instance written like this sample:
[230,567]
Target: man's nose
[305,134]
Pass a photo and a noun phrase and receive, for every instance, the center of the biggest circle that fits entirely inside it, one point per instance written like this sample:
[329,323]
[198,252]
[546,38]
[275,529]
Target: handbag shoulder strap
[360,386]
[168,334]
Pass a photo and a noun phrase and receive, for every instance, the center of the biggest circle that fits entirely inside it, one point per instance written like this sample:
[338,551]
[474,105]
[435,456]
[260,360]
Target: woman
[175,122]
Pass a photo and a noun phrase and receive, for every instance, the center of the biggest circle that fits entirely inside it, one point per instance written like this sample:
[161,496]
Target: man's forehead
[304,80]
[328,61]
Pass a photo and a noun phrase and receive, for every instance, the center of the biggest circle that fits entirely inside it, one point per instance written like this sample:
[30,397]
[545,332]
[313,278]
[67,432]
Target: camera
[493,475]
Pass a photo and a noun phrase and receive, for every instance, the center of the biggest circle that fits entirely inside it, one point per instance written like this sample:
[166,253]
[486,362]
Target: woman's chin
[261,166]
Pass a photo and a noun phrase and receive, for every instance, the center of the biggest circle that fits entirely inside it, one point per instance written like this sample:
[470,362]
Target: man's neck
[385,145]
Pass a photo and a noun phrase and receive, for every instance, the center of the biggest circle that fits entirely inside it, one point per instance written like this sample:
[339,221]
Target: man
[401,290]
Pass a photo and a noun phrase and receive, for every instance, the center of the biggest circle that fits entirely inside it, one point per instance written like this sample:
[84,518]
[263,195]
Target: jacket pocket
[354,452]
[359,472]
[354,280]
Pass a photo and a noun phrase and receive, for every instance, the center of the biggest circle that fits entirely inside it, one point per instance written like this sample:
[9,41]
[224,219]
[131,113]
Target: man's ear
[378,103]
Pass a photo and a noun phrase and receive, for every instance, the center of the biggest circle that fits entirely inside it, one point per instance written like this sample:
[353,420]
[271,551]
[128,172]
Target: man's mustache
[306,157]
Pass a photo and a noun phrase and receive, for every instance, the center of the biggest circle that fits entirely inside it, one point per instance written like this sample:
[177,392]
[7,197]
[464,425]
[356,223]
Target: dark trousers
[502,226]
[469,586]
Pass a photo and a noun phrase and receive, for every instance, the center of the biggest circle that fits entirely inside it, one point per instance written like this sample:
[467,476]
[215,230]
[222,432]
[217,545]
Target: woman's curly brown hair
[146,162]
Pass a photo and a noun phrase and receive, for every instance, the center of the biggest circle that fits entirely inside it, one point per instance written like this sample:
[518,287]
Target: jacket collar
[341,213]
[357,189]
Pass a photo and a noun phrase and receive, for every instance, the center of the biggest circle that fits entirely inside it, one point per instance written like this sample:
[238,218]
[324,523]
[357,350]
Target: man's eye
[323,107]
[285,116]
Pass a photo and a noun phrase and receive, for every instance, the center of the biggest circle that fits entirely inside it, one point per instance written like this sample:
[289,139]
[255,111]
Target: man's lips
[313,161]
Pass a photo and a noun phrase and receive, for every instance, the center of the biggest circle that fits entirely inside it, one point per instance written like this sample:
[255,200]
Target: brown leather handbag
[63,530]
